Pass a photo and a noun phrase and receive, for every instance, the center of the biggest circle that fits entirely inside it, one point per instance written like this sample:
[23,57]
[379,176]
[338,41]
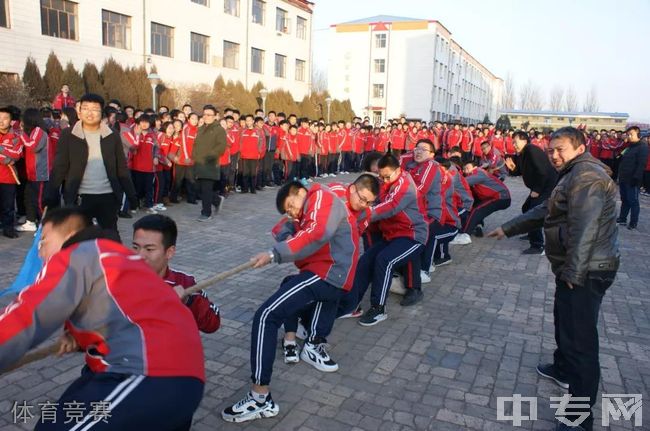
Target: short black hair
[159,223]
[288,189]
[388,161]
[428,142]
[369,159]
[521,135]
[258,119]
[456,161]
[635,128]
[247,116]
[211,108]
[78,218]
[455,149]
[367,182]
[574,135]
[92,98]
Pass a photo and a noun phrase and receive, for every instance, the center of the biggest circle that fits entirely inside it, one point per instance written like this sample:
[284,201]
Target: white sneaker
[291,352]
[309,180]
[248,409]
[461,239]
[151,211]
[397,285]
[424,277]
[301,332]
[28,226]
[333,175]
[317,356]
[160,207]
[432,268]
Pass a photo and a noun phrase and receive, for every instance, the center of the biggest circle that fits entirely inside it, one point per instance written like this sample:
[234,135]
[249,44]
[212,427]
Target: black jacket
[632,164]
[209,146]
[70,164]
[579,221]
[536,170]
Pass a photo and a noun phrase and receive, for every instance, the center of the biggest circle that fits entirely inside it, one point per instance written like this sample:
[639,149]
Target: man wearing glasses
[90,159]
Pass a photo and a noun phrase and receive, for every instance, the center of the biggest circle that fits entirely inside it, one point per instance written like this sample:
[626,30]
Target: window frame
[205,3]
[283,63]
[127,30]
[46,11]
[377,63]
[262,4]
[304,70]
[171,39]
[227,10]
[301,27]
[381,93]
[285,27]
[206,47]
[236,60]
[5,16]
[381,37]
[261,59]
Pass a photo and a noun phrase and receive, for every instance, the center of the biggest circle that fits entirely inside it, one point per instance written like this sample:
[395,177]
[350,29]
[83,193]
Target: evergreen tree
[116,85]
[219,95]
[74,80]
[92,80]
[53,76]
[33,81]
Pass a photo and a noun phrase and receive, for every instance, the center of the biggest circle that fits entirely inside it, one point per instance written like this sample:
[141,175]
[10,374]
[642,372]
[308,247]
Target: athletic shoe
[621,221]
[524,237]
[424,277]
[10,233]
[248,409]
[218,203]
[533,250]
[28,226]
[204,218]
[374,315]
[134,211]
[333,175]
[412,297]
[549,371]
[151,211]
[397,285]
[21,220]
[317,356]
[160,207]
[461,239]
[301,332]
[442,262]
[478,232]
[432,268]
[630,226]
[291,355]
[124,214]
[355,314]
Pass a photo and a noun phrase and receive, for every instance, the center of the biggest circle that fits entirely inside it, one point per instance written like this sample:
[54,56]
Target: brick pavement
[484,324]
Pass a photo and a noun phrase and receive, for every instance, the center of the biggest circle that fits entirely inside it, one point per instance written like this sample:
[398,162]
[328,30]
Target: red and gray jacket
[252,144]
[463,198]
[37,157]
[322,240]
[427,176]
[398,213]
[360,219]
[11,150]
[486,187]
[206,314]
[121,313]
[448,213]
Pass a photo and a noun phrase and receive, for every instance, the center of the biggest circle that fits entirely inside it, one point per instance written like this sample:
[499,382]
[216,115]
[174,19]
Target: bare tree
[536,98]
[509,97]
[530,97]
[318,80]
[591,100]
[556,98]
[570,99]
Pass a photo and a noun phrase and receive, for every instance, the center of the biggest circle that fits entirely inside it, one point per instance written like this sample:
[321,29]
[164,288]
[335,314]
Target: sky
[604,44]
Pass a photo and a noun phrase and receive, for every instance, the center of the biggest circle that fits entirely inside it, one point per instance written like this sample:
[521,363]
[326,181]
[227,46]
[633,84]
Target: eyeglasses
[94,111]
[364,201]
[422,150]
[387,178]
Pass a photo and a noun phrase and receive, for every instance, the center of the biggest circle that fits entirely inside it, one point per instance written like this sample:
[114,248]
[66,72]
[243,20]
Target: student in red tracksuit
[477,152]
[154,239]
[145,161]
[11,150]
[463,198]
[166,142]
[381,144]
[510,150]
[304,148]
[318,237]
[38,162]
[252,145]
[359,135]
[455,137]
[449,218]
[490,195]
[497,142]
[181,155]
[283,150]
[397,140]
[466,142]
[404,232]
[63,99]
[123,316]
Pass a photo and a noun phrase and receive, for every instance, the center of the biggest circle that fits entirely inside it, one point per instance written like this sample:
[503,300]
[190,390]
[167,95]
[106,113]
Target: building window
[4,19]
[199,47]
[301,28]
[380,66]
[618,121]
[201,2]
[280,66]
[281,21]
[230,55]
[380,40]
[259,10]
[116,30]
[301,65]
[162,40]
[257,60]
[378,91]
[376,117]
[560,118]
[59,19]
[231,7]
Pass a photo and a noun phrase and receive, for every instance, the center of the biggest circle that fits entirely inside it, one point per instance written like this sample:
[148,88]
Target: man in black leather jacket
[579,220]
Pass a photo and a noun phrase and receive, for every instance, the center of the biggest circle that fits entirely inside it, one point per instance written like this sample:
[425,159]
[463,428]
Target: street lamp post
[263,93]
[154,79]
[328,101]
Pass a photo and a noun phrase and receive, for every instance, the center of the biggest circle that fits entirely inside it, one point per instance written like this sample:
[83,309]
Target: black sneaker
[549,371]
[524,237]
[248,409]
[412,297]
[10,233]
[373,316]
[317,356]
[478,232]
[218,203]
[533,250]
[442,262]
[631,226]
[621,221]
[291,355]
[124,214]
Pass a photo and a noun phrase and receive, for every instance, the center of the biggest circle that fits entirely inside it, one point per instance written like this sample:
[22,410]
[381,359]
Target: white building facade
[188,41]
[392,66]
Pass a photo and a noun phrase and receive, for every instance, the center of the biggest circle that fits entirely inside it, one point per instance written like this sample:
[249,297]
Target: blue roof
[383,18]
[566,113]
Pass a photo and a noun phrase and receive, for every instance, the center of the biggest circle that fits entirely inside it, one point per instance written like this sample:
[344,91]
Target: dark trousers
[234,169]
[207,193]
[536,236]
[267,169]
[34,200]
[184,173]
[295,293]
[575,314]
[332,162]
[306,165]
[249,174]
[347,161]
[223,179]
[103,207]
[163,182]
[136,403]
[318,324]
[7,205]
[481,210]
[629,202]
[438,243]
[646,181]
[144,186]
[376,267]
[290,170]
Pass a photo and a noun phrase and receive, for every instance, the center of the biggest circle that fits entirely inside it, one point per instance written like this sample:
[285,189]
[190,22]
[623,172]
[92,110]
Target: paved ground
[485,323]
